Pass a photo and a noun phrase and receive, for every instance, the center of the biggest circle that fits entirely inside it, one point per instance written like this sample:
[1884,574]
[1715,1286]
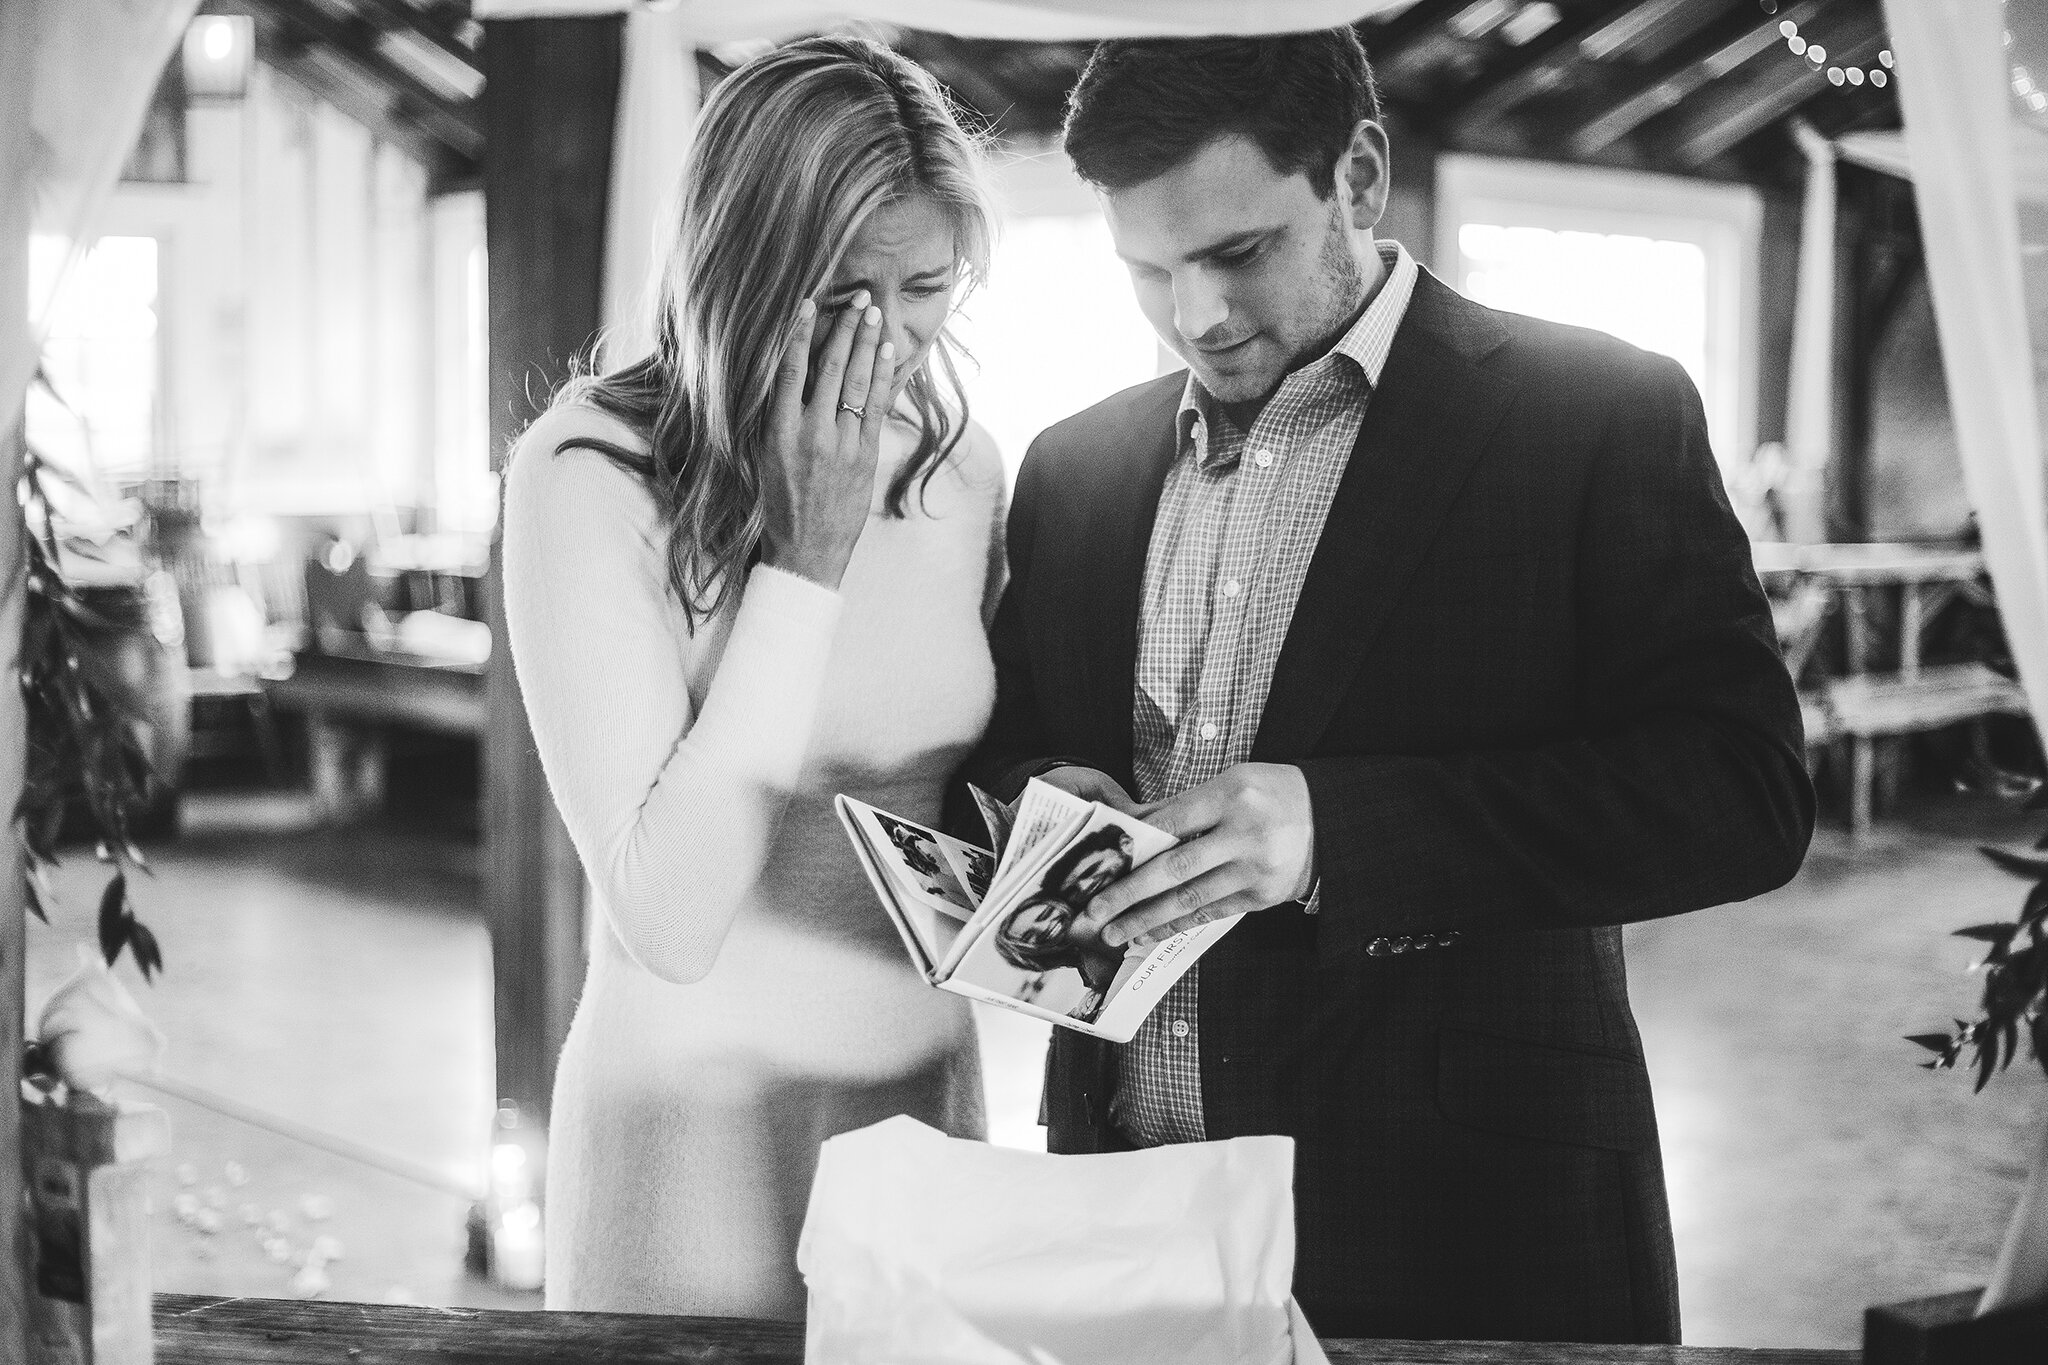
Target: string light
[1855,75]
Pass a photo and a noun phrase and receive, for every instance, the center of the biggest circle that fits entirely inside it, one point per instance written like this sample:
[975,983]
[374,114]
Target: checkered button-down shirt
[1238,523]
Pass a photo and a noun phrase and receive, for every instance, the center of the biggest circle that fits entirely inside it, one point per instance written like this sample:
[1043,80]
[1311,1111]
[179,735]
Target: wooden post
[17,81]
[550,95]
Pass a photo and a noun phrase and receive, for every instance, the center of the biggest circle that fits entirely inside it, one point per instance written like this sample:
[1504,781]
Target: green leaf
[1933,1042]
[149,957]
[2000,934]
[113,918]
[33,898]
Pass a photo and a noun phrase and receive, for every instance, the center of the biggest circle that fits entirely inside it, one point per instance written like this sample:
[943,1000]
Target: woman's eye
[1239,257]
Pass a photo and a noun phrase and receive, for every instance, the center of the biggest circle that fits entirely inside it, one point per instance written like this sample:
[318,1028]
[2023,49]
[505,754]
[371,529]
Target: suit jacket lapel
[1119,531]
[1429,421]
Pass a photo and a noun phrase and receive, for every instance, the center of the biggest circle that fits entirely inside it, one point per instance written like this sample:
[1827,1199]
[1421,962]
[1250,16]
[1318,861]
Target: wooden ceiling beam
[1543,65]
[1723,48]
[294,59]
[456,124]
[426,24]
[1852,37]
[1391,43]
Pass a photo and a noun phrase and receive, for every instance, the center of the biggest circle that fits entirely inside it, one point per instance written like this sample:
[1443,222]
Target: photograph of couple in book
[1049,930]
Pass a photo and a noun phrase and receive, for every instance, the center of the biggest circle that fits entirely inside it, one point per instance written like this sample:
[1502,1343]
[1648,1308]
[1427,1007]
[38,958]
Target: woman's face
[904,257]
[1040,921]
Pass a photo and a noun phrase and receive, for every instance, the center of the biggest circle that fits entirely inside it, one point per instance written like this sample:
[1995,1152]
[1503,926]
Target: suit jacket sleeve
[1682,784]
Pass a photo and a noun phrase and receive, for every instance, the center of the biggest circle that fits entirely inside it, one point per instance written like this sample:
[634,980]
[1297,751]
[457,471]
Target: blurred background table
[1879,688]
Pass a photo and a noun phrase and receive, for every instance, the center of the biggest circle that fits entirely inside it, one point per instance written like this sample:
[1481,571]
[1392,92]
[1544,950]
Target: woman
[741,576]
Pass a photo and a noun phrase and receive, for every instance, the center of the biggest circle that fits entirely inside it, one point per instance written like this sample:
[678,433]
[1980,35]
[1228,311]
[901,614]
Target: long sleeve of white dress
[672,806]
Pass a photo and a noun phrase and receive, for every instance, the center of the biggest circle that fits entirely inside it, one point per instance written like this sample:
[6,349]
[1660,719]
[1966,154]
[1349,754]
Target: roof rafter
[1718,51]
[456,124]
[1545,64]
[1772,90]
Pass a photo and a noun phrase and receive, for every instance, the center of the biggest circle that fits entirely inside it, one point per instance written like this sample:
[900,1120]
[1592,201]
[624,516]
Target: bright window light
[1650,293]
[100,353]
[1056,330]
[1665,264]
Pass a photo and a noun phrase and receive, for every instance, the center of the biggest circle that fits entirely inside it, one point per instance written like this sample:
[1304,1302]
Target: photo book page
[1009,930]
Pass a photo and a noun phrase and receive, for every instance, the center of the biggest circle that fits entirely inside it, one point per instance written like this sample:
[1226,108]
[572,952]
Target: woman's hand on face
[820,478]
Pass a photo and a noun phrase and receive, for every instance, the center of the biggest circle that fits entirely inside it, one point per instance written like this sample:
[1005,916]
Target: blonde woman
[741,576]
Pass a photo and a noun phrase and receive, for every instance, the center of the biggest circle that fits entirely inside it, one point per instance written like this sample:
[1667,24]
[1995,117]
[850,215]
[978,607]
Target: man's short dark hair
[1145,105]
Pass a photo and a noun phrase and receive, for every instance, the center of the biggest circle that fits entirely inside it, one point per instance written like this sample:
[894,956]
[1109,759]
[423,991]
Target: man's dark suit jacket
[1536,692]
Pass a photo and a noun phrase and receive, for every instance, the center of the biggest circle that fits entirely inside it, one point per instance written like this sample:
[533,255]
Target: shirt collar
[1366,343]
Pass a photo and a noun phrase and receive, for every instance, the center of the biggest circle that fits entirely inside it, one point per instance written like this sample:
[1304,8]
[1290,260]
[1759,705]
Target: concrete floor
[341,979]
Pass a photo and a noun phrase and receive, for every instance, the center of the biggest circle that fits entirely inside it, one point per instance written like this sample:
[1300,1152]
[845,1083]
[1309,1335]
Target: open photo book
[1005,926]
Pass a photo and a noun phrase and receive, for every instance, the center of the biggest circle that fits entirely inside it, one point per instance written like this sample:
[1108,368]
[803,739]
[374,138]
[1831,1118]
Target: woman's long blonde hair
[793,152]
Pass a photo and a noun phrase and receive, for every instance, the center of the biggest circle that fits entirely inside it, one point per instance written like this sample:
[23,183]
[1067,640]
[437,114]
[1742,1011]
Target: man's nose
[1199,308]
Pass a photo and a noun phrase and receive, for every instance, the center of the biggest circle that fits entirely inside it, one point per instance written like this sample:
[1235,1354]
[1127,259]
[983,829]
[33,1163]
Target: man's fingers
[1157,879]
[1237,903]
[1195,811]
[1183,902]
[831,367]
[788,407]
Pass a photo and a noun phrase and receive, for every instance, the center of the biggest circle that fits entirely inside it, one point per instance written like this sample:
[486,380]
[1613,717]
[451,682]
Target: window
[100,353]
[1666,264]
[1058,328]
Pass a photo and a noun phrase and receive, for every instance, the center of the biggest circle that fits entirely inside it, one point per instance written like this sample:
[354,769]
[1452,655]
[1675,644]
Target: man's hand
[1091,784]
[1247,842]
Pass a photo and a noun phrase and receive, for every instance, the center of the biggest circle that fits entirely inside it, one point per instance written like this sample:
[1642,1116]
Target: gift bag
[920,1249]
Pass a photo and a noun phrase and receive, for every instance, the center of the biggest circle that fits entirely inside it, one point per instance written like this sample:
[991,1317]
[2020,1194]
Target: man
[1430,632]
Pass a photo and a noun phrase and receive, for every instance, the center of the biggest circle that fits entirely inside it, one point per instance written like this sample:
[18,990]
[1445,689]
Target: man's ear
[1363,175]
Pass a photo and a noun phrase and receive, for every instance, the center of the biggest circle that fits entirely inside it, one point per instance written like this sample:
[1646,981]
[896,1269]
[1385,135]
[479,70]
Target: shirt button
[1180,1028]
[1208,730]
[1264,459]
[1232,588]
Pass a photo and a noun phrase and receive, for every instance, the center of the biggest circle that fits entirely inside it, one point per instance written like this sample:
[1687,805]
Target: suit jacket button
[1403,944]
[1379,947]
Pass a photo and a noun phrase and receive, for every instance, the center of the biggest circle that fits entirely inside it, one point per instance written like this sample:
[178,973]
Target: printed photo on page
[1037,951]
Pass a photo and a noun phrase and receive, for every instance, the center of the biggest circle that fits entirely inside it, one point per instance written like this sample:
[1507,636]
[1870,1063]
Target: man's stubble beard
[1340,293]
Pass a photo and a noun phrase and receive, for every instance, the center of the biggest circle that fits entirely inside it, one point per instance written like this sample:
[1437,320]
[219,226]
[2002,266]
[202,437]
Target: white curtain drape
[1952,82]
[89,67]
[1810,397]
[657,102]
[1036,20]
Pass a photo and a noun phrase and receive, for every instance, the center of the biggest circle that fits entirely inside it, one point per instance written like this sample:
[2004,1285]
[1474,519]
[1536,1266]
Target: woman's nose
[896,331]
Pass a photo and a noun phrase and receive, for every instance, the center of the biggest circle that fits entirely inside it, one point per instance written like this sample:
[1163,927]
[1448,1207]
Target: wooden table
[1863,705]
[209,1331]
[348,697]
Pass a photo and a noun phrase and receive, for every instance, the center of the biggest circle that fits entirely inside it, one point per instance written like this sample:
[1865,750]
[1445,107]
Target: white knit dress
[746,997]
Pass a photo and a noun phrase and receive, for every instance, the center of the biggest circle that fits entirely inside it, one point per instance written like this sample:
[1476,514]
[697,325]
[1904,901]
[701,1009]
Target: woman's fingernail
[1113,937]
[805,309]
[860,300]
[888,350]
[872,316]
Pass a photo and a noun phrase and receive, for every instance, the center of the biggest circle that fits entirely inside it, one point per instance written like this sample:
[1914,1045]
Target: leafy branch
[2015,972]
[86,728]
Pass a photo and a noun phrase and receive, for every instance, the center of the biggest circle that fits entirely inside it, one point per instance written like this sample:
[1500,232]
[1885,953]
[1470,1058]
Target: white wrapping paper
[920,1249]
